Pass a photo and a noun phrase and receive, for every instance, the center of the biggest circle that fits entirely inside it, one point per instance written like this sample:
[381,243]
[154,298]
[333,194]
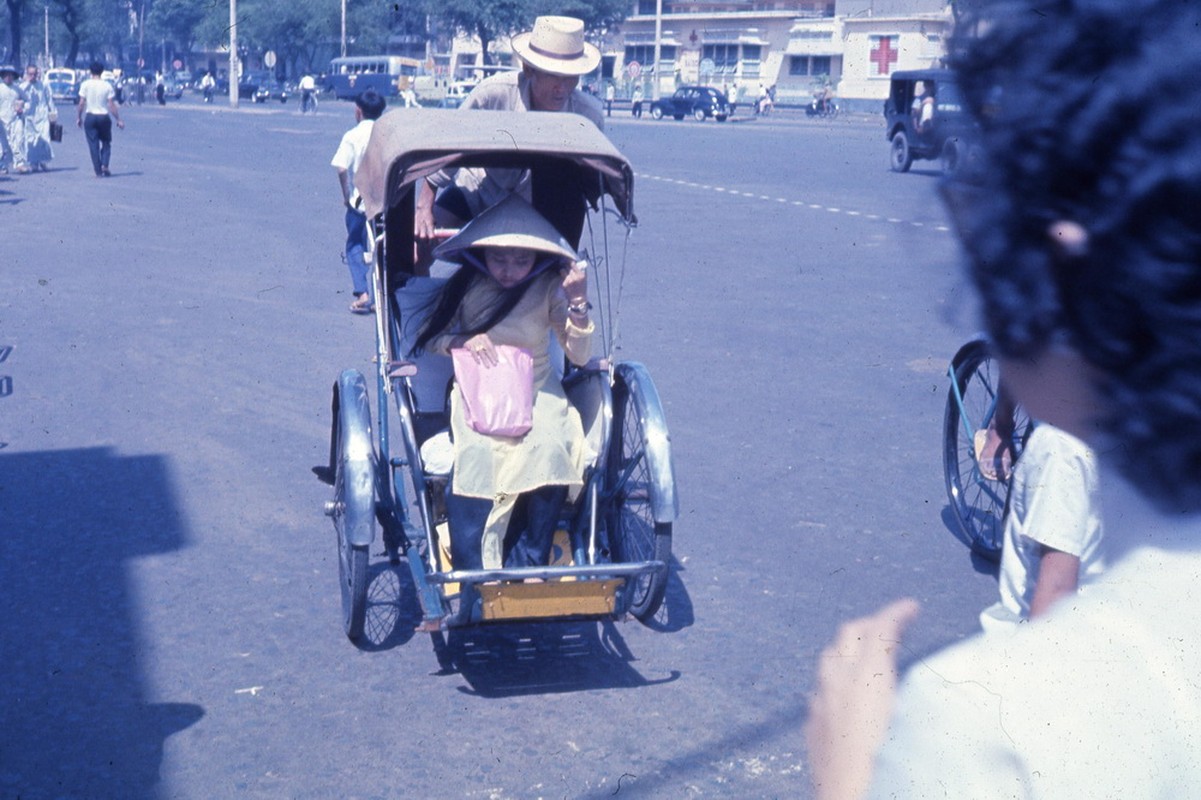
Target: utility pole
[343,28]
[46,27]
[658,54]
[233,53]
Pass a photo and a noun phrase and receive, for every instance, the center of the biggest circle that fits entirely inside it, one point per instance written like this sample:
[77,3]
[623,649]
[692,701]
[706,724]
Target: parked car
[925,119]
[699,102]
[171,87]
[456,93]
[249,83]
[271,89]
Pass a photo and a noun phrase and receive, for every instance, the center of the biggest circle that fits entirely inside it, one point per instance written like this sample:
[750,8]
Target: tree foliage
[15,9]
[489,20]
[175,21]
[299,31]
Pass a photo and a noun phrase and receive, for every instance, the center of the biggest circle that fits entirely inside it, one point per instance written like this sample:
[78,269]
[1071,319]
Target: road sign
[177,64]
[269,59]
[633,69]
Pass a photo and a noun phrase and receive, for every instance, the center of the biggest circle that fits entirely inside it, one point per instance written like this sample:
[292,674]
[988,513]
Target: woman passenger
[517,282]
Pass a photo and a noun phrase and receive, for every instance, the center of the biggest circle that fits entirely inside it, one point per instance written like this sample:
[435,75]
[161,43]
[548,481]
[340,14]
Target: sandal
[993,455]
[362,305]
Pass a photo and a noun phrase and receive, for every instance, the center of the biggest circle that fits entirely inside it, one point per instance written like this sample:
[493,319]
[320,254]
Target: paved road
[171,615]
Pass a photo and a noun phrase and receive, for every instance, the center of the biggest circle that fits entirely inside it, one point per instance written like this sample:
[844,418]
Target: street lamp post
[233,53]
[658,54]
[343,28]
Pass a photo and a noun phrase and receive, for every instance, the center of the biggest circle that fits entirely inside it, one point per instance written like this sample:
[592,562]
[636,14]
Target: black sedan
[271,89]
[698,102]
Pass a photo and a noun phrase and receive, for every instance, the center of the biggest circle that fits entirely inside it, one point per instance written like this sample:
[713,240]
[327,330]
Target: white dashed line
[798,203]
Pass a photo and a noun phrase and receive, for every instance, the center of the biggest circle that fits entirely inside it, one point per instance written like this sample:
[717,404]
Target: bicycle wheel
[353,506]
[634,535]
[978,502]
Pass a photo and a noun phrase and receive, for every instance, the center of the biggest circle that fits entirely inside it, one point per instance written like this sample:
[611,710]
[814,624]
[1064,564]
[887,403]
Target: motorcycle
[821,108]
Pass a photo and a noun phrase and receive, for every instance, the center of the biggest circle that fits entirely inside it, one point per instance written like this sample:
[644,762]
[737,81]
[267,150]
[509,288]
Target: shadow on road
[73,704]
[510,659]
[676,612]
[393,611]
[540,658]
[981,564]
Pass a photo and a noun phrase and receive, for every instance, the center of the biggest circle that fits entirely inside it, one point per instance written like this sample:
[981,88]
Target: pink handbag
[497,401]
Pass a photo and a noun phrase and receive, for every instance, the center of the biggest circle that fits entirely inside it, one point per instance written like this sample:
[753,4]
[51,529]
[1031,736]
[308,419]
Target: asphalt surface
[168,582]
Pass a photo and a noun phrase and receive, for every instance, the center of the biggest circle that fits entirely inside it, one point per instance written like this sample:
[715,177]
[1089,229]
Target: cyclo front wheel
[353,506]
[634,534]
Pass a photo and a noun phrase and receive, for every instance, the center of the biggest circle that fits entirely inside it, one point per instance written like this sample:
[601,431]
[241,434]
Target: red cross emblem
[883,56]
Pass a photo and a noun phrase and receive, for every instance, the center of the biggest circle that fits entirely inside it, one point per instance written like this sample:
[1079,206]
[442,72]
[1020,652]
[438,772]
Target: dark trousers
[98,129]
[356,246]
[531,528]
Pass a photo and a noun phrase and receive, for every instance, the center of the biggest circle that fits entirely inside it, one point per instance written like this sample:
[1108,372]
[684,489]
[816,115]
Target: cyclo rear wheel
[978,503]
[634,535]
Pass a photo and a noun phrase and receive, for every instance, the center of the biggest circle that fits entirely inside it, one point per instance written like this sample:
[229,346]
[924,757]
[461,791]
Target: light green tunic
[554,451]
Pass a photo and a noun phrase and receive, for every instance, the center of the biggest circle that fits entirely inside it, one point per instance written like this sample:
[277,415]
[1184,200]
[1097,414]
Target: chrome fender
[356,457]
[665,505]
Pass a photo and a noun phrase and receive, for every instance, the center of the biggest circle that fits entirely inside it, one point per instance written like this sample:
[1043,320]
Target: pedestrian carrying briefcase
[56,132]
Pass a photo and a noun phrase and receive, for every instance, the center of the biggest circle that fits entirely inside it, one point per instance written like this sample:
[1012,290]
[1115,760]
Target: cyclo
[613,545]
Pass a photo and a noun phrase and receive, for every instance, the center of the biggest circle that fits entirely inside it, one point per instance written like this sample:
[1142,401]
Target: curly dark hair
[1088,112]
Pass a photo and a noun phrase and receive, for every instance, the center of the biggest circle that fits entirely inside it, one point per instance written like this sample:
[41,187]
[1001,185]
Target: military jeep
[926,119]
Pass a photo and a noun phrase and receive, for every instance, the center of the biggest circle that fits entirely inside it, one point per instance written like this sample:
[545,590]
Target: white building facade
[796,46]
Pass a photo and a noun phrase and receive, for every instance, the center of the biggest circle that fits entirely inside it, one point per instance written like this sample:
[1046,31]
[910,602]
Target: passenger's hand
[575,282]
[482,350]
[423,214]
[851,707]
[423,223]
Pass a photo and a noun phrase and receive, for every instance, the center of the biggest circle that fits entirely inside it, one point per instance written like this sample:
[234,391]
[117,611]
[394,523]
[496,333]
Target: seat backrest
[434,371]
[589,392]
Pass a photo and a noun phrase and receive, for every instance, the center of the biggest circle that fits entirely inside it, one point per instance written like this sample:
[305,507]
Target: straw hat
[510,223]
[9,69]
[556,45]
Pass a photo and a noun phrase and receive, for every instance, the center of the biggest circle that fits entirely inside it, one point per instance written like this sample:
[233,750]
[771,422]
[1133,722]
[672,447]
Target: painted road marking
[798,203]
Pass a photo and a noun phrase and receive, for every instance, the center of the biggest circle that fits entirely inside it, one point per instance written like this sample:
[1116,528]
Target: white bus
[389,75]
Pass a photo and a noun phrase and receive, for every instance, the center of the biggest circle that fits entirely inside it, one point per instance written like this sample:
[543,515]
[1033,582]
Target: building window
[806,66]
[644,54]
[723,56]
[750,60]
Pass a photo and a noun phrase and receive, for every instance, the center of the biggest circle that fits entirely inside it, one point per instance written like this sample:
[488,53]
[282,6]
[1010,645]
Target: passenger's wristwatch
[579,309]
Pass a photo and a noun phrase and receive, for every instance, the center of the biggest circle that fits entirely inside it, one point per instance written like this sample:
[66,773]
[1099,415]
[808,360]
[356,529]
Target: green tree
[484,19]
[69,13]
[15,9]
[489,19]
[598,15]
[175,21]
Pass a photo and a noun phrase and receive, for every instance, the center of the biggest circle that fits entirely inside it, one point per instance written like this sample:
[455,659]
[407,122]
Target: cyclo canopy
[570,160]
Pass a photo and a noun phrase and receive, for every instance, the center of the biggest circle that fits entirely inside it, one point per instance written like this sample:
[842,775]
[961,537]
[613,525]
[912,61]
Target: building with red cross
[795,45]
